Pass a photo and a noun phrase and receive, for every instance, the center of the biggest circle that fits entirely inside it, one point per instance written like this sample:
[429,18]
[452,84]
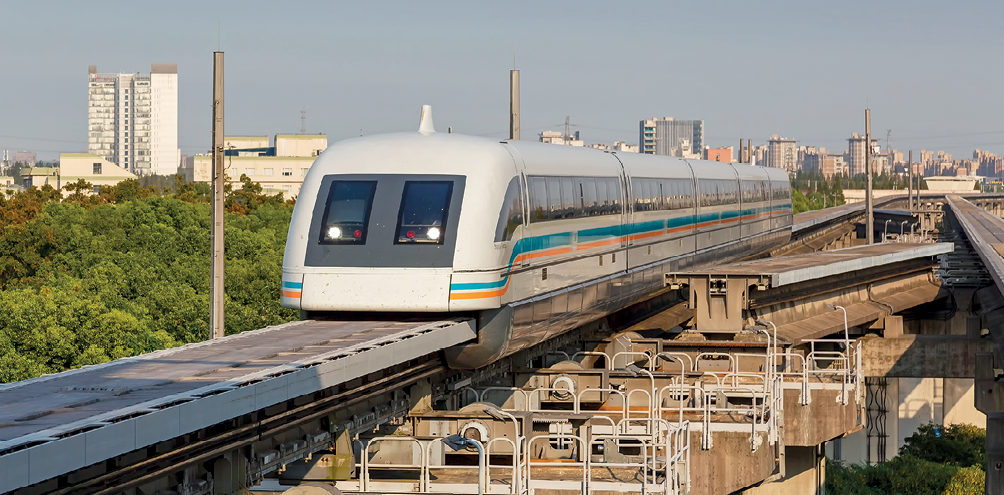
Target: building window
[268,172]
[249,172]
[97,169]
[303,172]
[287,172]
[97,189]
[287,188]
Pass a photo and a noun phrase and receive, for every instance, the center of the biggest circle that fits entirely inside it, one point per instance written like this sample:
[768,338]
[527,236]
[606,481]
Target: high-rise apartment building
[856,154]
[671,137]
[132,119]
[782,153]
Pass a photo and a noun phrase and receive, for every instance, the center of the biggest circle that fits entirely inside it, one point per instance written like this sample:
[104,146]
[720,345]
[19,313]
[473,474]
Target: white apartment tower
[132,119]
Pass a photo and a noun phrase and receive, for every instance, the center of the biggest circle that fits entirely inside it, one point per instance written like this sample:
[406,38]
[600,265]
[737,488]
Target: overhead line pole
[216,320]
[514,105]
[869,213]
[911,182]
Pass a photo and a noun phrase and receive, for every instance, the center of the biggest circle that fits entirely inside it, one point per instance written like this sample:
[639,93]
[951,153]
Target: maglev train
[535,239]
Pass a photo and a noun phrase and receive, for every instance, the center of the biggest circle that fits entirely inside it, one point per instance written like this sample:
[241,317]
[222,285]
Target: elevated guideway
[55,424]
[984,232]
[269,397]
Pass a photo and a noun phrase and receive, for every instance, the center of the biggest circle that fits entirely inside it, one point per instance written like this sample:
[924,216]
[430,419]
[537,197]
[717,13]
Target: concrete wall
[911,403]
[805,473]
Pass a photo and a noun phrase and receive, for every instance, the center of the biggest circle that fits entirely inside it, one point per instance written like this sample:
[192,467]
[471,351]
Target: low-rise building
[625,147]
[555,137]
[92,168]
[719,154]
[279,168]
[73,167]
[39,177]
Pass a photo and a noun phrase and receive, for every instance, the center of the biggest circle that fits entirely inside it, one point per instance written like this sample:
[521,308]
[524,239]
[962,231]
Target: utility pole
[216,282]
[869,214]
[514,105]
[910,166]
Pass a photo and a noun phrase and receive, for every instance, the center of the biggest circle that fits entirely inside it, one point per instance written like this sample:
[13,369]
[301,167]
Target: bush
[936,460]
[967,481]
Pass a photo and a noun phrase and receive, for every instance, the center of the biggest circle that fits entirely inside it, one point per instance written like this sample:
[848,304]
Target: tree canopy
[95,277]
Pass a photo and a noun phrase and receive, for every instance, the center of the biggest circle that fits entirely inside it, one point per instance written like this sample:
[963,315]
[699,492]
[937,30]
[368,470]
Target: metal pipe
[886,233]
[901,225]
[847,336]
[498,413]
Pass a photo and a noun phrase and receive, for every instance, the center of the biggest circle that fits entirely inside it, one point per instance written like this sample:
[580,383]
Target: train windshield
[347,212]
[423,212]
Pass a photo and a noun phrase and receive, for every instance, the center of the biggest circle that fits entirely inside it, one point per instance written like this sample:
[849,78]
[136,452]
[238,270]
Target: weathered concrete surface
[730,465]
[821,420]
[805,472]
[918,356]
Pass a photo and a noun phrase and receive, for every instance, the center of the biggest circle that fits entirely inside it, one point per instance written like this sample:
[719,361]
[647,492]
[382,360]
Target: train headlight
[432,233]
[334,233]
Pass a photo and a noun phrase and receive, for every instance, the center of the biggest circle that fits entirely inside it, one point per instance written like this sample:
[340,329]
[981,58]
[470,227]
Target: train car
[535,239]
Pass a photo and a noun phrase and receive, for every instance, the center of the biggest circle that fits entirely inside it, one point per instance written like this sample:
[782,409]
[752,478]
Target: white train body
[536,239]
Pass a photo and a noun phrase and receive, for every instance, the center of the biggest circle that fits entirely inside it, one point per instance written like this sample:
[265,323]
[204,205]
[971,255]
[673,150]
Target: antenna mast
[303,121]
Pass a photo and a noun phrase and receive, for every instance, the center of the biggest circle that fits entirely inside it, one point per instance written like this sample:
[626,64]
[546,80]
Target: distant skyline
[930,71]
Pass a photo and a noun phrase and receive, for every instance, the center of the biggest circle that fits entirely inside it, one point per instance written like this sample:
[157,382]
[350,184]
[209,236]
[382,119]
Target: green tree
[961,445]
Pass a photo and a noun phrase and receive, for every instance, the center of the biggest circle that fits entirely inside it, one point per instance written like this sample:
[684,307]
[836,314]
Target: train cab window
[424,206]
[347,212]
[511,215]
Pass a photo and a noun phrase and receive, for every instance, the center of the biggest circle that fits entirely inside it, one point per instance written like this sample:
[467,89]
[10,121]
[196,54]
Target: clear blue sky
[931,71]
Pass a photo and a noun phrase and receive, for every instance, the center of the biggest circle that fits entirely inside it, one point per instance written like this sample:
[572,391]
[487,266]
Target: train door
[627,209]
[696,208]
[522,261]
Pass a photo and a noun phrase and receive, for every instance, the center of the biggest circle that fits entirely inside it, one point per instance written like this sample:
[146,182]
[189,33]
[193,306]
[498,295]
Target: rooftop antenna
[303,121]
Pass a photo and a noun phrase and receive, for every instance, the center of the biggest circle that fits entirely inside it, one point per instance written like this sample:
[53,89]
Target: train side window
[602,197]
[614,190]
[686,193]
[589,196]
[672,191]
[424,207]
[511,215]
[347,212]
[639,188]
[567,198]
[538,200]
[554,198]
